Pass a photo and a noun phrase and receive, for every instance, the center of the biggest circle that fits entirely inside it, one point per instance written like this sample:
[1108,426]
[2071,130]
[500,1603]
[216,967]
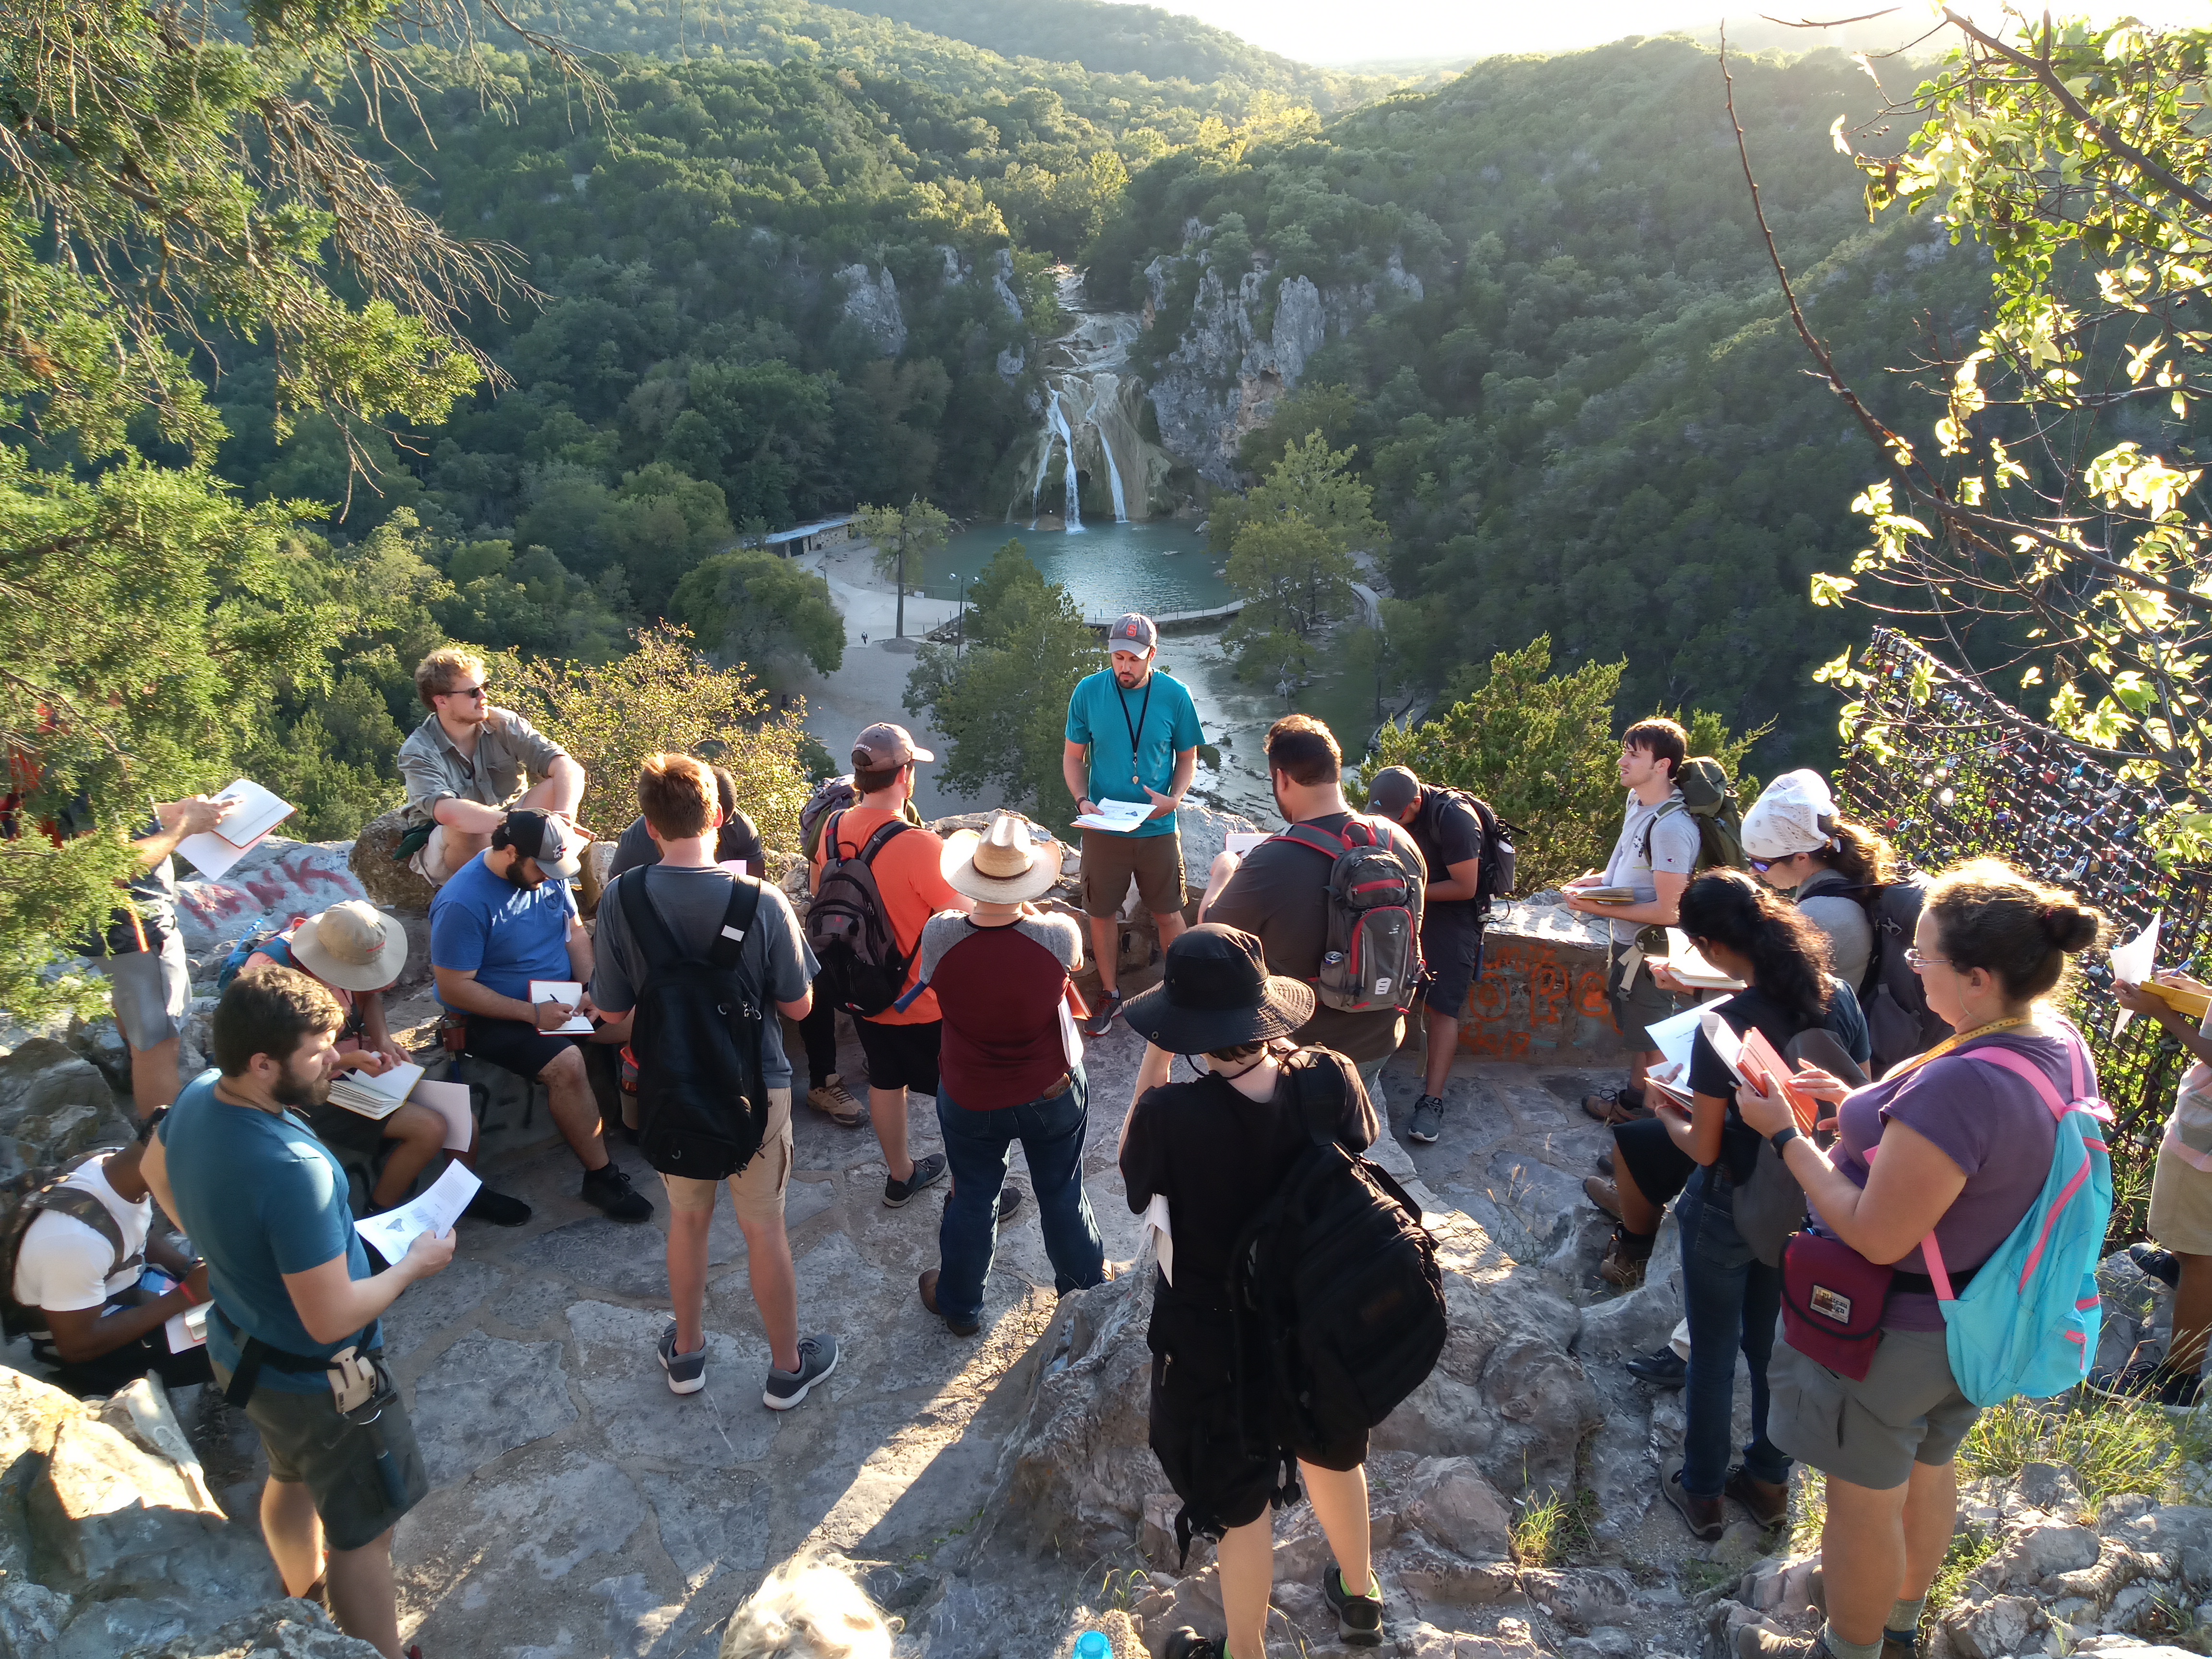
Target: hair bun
[2070,925]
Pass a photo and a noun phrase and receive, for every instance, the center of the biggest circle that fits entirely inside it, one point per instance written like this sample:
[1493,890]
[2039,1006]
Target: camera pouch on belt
[354,1379]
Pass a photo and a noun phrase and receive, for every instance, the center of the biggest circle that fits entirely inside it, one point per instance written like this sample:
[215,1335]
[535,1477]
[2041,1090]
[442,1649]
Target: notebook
[568,991]
[376,1097]
[213,852]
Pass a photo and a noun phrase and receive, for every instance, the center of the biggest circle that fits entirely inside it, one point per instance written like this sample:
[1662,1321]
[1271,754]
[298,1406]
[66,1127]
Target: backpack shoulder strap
[1313,835]
[2020,1066]
[1320,1098]
[79,1205]
[738,918]
[645,926]
[882,838]
[1668,808]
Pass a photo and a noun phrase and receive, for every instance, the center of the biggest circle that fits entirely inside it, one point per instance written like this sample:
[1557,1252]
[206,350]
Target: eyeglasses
[1921,964]
[476,692]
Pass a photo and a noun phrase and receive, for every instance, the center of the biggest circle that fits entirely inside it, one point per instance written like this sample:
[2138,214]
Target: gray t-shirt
[1675,844]
[774,966]
[1058,934]
[1843,920]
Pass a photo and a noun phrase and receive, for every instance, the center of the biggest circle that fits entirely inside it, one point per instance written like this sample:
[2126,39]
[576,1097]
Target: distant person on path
[1448,829]
[468,762]
[1133,734]
[1012,1066]
[1795,839]
[690,893]
[507,918]
[355,953]
[77,1273]
[1279,891]
[1655,856]
[1219,1148]
[901,1041]
[293,1335]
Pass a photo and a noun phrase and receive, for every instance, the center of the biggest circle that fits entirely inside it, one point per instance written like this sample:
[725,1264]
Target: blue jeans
[978,1147]
[1732,1300]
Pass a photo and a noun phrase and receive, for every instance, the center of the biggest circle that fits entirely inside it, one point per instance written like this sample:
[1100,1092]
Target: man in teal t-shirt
[266,1204]
[1131,736]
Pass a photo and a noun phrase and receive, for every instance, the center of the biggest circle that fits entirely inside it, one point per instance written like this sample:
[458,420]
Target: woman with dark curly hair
[1965,1148]
[1731,1297]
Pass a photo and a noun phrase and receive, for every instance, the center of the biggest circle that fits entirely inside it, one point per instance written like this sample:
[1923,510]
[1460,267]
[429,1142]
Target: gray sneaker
[687,1372]
[817,1358]
[1428,1118]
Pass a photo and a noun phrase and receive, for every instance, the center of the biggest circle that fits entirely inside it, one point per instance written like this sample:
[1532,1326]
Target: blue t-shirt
[1159,715]
[260,1197]
[484,923]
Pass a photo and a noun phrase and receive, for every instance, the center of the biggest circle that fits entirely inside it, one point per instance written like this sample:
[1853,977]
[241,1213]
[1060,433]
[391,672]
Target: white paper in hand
[2134,961]
[187,1330]
[1116,817]
[435,1212]
[450,1102]
[1155,1223]
[213,852]
[568,993]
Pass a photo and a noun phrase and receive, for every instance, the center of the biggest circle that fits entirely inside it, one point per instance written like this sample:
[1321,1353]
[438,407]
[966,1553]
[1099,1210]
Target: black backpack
[1336,1282]
[24,1198]
[1372,960]
[701,1097]
[863,969]
[1900,1022]
[1495,879]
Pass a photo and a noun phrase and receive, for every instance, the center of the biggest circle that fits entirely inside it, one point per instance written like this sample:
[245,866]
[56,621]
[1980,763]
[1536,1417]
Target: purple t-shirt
[1988,1122]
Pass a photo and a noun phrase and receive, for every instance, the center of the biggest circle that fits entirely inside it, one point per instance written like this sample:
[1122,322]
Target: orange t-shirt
[910,876]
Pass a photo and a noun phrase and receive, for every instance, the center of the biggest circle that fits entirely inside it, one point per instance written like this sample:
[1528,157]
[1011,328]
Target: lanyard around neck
[1144,708]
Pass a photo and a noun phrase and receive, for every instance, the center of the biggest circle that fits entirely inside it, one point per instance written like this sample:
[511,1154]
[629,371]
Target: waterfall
[1091,415]
[1059,418]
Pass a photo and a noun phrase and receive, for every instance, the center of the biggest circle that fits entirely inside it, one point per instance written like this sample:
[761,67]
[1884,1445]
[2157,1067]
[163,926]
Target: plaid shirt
[510,754]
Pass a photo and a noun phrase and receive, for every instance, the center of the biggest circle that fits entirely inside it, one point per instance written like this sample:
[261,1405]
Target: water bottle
[1094,1644]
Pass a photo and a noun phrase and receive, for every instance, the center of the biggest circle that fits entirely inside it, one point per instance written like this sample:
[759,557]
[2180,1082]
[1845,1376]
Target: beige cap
[1002,866]
[352,945]
[884,744]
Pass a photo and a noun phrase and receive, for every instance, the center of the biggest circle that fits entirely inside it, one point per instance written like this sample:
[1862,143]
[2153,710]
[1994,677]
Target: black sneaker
[2154,1263]
[1102,1018]
[1664,1370]
[817,1358]
[2150,1381]
[1427,1120]
[926,1172]
[498,1209]
[609,1189]
[1358,1618]
[1010,1202]
[1187,1643]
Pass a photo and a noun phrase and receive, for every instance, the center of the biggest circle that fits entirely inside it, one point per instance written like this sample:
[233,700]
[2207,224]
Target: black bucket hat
[1217,993]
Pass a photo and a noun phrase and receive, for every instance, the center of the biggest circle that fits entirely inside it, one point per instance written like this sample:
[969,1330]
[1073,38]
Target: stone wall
[1541,996]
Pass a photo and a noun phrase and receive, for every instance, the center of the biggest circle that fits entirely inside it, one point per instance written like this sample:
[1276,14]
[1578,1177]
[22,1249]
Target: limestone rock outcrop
[386,881]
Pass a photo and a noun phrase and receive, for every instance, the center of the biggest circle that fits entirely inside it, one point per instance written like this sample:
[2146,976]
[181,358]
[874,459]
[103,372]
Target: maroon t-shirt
[998,992]
[1988,1122]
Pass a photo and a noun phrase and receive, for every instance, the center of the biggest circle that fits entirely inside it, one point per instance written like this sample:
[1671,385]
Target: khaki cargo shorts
[757,1189]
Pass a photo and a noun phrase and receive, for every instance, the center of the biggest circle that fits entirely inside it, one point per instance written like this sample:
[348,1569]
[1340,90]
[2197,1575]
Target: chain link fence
[1946,772]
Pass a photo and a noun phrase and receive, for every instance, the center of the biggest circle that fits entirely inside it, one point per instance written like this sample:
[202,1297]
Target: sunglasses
[475,692]
[1762,864]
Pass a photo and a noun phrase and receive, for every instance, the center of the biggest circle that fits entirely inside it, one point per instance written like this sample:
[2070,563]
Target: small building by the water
[811,538]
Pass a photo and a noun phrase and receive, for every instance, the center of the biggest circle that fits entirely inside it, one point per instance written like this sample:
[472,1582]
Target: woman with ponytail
[1794,840]
[1965,1149]
[1731,1297]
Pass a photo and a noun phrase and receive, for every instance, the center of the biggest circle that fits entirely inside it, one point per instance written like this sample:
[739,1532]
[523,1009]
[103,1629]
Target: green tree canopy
[757,608]
[904,537]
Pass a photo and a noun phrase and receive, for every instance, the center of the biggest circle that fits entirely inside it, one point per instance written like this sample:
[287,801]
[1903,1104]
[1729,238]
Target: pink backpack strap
[2021,1066]
[1931,1257]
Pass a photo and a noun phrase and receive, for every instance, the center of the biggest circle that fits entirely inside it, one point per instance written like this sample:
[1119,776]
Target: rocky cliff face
[871,304]
[1223,377]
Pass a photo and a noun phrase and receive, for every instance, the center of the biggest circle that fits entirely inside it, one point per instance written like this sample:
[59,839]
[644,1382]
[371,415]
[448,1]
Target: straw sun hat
[1003,865]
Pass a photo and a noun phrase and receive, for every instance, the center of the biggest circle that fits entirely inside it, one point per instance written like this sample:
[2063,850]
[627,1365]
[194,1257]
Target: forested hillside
[1593,422]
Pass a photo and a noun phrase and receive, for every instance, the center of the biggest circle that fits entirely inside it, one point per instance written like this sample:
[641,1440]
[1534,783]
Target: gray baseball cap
[1393,790]
[1132,633]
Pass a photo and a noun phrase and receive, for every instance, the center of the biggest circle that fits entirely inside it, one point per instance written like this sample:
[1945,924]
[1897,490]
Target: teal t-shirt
[261,1197]
[1134,736]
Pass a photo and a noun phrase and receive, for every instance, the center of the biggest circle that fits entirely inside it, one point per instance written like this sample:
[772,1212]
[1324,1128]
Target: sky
[1314,30]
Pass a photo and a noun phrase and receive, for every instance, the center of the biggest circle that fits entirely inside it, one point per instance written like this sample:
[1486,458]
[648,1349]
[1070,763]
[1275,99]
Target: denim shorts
[1908,1410]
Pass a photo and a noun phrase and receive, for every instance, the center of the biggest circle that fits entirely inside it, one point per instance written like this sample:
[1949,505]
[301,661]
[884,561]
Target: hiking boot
[1616,1106]
[1187,1643]
[1663,1370]
[1358,1618]
[817,1358]
[1605,1194]
[1767,1500]
[1707,1516]
[497,1209]
[687,1372]
[834,1101]
[1756,1642]
[1900,1645]
[2154,1263]
[926,1171]
[609,1189]
[2150,1381]
[1428,1118]
[1623,1264]
[959,1328]
[1102,1016]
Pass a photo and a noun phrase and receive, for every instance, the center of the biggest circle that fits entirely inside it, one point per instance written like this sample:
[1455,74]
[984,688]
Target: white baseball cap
[1794,814]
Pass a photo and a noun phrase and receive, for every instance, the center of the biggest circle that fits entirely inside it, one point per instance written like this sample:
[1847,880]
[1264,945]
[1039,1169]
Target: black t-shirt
[1219,1157]
[1710,1075]
[739,842]
[1449,831]
[1279,894]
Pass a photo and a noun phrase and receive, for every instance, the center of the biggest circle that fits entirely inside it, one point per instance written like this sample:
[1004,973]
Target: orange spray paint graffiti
[1536,1000]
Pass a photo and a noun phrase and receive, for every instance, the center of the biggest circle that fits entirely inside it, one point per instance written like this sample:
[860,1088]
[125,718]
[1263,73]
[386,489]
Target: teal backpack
[2028,1323]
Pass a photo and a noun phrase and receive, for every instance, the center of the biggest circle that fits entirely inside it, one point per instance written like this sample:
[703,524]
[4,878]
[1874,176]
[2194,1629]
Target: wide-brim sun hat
[352,945]
[1217,993]
[1001,863]
[1795,813]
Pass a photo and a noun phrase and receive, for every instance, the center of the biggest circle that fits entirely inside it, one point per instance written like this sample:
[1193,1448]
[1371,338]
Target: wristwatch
[1782,1137]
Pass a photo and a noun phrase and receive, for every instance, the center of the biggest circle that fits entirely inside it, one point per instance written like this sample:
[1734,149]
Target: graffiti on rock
[1535,998]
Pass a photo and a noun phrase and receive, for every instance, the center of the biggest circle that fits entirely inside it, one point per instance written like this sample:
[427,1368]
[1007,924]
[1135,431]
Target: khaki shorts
[2181,1207]
[1110,861]
[757,1189]
[1908,1410]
